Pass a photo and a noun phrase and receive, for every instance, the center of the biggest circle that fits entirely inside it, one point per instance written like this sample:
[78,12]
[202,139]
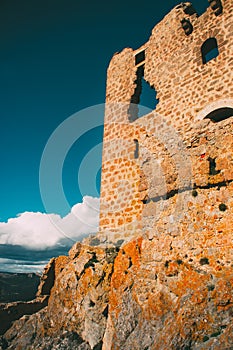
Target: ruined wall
[166,188]
[167,179]
[173,150]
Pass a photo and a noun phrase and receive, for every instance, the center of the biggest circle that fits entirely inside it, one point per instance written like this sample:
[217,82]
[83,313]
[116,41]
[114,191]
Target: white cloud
[40,231]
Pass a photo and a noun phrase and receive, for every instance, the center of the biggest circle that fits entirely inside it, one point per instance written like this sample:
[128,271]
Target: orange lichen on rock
[158,275]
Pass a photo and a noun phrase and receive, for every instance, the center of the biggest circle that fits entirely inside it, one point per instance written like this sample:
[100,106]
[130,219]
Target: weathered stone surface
[177,147]
[51,271]
[176,301]
[173,304]
[168,204]
[79,298]
[30,332]
[77,309]
[12,311]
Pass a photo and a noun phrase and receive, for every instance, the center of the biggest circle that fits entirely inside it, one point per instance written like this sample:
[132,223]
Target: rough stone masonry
[161,276]
[185,143]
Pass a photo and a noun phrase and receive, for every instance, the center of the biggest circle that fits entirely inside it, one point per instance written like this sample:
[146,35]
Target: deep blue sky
[53,62]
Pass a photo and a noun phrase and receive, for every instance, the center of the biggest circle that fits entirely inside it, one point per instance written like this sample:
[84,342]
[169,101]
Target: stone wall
[178,149]
[166,189]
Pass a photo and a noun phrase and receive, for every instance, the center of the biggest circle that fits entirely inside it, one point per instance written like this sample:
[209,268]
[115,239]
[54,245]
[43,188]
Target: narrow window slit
[212,167]
[136,150]
[140,57]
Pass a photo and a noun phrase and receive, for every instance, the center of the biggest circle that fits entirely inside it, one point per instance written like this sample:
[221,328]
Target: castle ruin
[169,172]
[166,194]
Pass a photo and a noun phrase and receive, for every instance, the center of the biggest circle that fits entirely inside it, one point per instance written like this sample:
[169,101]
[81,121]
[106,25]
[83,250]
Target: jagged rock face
[30,332]
[171,284]
[148,299]
[10,312]
[168,304]
[13,311]
[77,310]
[79,298]
[50,273]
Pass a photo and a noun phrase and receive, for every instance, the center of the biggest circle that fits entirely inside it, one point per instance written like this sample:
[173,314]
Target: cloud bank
[38,231]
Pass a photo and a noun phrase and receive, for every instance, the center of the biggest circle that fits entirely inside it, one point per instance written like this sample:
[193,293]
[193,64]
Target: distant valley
[18,286]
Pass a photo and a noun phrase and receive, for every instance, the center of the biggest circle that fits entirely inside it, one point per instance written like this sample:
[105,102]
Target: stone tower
[169,172]
[167,194]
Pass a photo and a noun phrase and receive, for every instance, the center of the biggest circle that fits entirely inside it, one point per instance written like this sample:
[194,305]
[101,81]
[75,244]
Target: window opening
[209,50]
[136,151]
[220,114]
[212,167]
[216,6]
[144,96]
[187,26]
[140,57]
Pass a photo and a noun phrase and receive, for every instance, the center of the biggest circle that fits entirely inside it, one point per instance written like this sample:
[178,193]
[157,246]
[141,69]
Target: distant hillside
[18,286]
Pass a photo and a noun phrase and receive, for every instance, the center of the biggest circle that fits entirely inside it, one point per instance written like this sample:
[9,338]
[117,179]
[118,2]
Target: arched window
[209,50]
[220,114]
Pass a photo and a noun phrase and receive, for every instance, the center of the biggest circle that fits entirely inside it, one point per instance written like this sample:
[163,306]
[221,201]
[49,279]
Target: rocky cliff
[159,275]
[144,295]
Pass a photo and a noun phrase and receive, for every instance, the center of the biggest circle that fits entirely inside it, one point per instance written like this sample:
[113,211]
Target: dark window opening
[212,167]
[220,114]
[136,151]
[216,6]
[144,99]
[209,50]
[187,26]
[140,57]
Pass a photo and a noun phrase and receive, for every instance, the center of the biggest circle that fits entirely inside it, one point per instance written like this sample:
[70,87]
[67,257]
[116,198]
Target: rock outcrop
[141,296]
[159,275]
[168,304]
[10,312]
[77,308]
